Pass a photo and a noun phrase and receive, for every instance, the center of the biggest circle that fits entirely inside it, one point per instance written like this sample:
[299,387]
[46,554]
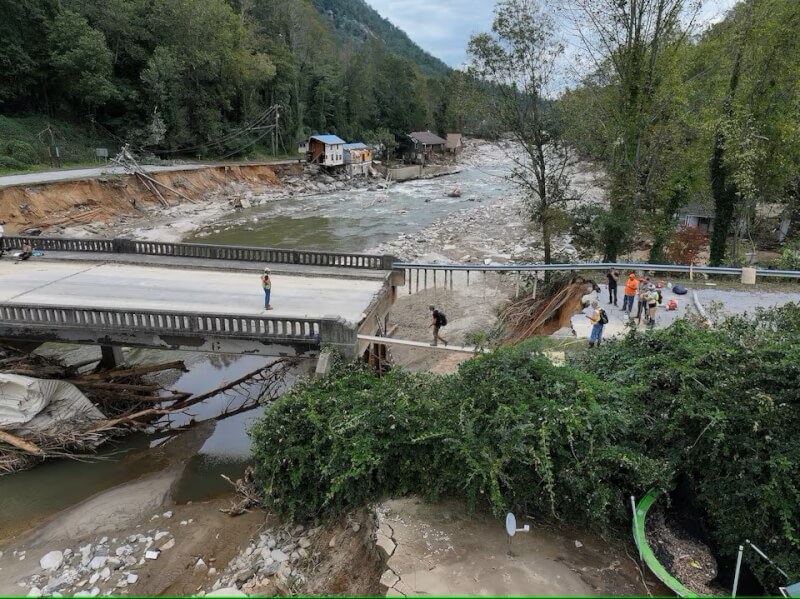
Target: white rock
[212,571]
[94,592]
[94,578]
[184,522]
[272,543]
[121,584]
[132,578]
[279,556]
[227,592]
[305,543]
[167,514]
[105,573]
[152,554]
[22,557]
[35,592]
[168,545]
[98,562]
[132,538]
[578,544]
[160,535]
[52,560]
[200,565]
[103,541]
[123,551]
[82,594]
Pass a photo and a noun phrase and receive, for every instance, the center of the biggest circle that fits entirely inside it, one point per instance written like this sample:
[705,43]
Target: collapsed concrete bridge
[194,297]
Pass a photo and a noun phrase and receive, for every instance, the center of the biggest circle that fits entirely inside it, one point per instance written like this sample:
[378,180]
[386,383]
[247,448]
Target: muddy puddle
[30,497]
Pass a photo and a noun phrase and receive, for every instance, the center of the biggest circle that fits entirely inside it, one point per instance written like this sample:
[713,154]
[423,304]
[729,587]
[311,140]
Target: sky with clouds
[443,27]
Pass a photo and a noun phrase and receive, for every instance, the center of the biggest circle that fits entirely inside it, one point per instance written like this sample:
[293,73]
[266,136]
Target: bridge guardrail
[206,251]
[682,268]
[151,321]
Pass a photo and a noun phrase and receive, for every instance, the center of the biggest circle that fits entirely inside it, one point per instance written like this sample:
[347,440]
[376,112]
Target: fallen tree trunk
[20,443]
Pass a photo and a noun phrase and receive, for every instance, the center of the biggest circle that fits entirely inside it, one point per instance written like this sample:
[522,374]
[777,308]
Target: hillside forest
[683,116]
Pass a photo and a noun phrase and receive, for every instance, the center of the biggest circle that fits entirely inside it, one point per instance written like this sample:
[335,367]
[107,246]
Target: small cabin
[425,144]
[357,159]
[325,150]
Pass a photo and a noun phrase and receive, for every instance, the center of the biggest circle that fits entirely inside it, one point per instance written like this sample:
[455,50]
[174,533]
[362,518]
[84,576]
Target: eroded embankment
[51,205]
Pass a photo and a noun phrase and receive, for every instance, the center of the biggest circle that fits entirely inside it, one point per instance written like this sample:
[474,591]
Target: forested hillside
[356,21]
[197,78]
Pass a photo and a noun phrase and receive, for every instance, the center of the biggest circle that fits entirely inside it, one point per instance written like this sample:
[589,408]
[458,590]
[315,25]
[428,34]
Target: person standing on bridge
[438,320]
[266,284]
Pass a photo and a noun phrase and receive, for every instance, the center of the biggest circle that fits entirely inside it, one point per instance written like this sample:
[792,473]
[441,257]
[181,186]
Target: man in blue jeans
[597,325]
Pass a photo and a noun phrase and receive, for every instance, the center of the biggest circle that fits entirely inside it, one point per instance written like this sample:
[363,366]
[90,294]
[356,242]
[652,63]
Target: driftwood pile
[528,316]
[129,400]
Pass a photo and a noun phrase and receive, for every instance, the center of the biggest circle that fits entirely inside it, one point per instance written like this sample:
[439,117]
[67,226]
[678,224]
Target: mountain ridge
[356,21]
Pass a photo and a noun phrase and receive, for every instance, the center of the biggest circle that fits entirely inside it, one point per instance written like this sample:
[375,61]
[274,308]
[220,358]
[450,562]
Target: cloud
[443,27]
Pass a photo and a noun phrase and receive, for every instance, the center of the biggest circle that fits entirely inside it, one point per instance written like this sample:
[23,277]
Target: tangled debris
[529,316]
[127,399]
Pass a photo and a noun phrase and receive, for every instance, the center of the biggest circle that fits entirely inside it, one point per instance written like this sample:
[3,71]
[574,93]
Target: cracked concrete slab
[441,549]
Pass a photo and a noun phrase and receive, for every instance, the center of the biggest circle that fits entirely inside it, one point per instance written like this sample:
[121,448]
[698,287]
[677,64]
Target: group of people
[639,290]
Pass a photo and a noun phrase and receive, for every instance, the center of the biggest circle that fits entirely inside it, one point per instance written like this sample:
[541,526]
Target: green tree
[81,60]
[519,59]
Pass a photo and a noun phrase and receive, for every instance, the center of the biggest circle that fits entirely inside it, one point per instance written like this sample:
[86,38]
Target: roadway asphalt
[118,286]
[93,173]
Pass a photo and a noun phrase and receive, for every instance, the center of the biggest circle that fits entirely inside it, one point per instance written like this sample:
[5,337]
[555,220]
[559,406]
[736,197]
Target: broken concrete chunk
[152,554]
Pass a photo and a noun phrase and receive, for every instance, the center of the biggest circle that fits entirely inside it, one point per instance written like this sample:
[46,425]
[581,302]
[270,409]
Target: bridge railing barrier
[327,330]
[262,255]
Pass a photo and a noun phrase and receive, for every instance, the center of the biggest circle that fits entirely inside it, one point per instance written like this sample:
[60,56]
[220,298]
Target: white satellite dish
[511,525]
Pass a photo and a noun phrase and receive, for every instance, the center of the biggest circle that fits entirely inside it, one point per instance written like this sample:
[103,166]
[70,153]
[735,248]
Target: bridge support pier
[111,356]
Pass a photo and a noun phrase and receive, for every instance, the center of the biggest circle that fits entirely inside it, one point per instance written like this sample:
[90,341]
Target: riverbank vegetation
[717,408]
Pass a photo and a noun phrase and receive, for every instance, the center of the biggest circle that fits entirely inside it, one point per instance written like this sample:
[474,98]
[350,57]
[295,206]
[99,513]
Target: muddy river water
[355,220]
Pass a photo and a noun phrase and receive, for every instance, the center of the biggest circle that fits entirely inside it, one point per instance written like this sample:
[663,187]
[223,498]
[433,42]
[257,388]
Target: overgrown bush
[719,407]
[21,151]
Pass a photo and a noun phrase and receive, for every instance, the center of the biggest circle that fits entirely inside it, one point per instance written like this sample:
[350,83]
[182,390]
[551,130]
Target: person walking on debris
[266,283]
[613,277]
[599,319]
[630,293]
[438,320]
[2,242]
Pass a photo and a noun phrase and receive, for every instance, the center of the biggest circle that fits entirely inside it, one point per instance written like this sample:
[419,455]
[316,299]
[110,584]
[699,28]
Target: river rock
[227,592]
[105,573]
[168,545]
[279,556]
[245,575]
[35,592]
[272,543]
[94,592]
[287,549]
[305,543]
[98,562]
[52,560]
[132,538]
[123,550]
[167,514]
[270,569]
[94,578]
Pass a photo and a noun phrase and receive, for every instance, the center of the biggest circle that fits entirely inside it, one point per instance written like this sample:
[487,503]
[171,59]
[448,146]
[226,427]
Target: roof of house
[427,138]
[453,140]
[697,209]
[355,146]
[329,140]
